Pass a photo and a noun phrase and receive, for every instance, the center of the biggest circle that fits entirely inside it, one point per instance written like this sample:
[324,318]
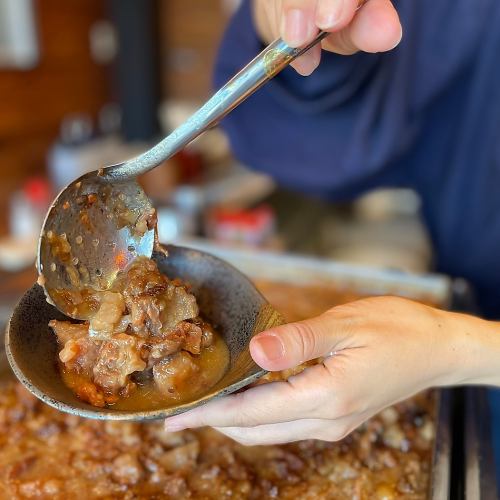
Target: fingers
[333,15]
[297,28]
[269,403]
[375,28]
[297,24]
[302,19]
[286,432]
[306,64]
[315,393]
[289,345]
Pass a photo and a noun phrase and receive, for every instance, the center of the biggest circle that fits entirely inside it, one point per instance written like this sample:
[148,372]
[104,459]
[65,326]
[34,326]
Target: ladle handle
[265,66]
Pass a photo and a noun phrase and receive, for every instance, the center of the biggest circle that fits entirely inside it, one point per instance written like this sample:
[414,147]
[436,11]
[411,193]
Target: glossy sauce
[213,363]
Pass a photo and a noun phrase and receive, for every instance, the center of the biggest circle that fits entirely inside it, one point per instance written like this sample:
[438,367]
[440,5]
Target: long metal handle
[265,66]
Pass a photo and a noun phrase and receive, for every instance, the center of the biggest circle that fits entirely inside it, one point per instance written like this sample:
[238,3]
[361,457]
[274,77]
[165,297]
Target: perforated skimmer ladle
[102,221]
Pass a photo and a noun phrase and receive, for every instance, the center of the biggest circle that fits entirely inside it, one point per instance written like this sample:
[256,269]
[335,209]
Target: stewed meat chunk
[173,373]
[118,358]
[108,316]
[145,320]
[65,330]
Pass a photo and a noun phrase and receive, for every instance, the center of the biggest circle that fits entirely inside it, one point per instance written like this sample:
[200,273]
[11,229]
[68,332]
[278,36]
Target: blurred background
[86,83]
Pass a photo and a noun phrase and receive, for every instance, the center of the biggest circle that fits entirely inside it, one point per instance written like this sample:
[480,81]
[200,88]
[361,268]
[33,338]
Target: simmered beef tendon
[156,351]
[66,330]
[172,374]
[192,339]
[186,335]
[145,316]
[118,358]
[141,278]
[156,304]
[159,315]
[189,335]
[145,319]
[178,305]
[181,458]
[80,352]
[207,336]
[80,355]
[108,316]
[127,469]
[47,454]
[145,222]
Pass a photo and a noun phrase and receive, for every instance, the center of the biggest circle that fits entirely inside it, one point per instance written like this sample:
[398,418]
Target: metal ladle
[102,221]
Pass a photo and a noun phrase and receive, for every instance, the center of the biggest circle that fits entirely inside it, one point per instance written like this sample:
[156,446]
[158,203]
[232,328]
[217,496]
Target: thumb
[289,345]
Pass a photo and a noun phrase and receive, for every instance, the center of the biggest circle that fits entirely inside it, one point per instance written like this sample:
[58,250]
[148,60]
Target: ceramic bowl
[225,296]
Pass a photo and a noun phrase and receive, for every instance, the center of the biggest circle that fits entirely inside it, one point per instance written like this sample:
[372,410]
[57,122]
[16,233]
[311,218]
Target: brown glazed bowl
[226,298]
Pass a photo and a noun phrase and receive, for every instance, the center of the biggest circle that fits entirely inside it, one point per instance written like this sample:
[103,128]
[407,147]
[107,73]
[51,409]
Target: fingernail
[306,64]
[294,29]
[269,347]
[304,67]
[329,13]
[399,41]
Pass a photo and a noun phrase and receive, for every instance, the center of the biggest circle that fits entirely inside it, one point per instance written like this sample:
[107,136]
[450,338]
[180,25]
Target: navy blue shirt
[424,116]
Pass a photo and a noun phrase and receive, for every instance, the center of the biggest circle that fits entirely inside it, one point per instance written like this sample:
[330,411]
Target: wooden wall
[66,80]
[190,32]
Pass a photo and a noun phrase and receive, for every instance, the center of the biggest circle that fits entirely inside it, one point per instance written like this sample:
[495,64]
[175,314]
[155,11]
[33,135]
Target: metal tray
[480,481]
[306,271]
[364,280]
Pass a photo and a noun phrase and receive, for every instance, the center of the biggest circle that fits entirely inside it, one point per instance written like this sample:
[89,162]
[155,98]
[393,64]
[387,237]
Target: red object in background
[251,218]
[38,192]
[190,166]
[252,227]
[27,208]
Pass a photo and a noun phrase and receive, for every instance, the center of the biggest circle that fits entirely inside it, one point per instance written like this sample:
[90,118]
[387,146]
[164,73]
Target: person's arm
[377,351]
[356,122]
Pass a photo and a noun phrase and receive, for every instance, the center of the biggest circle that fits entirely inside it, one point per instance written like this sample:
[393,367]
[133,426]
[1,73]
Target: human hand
[375,28]
[378,351]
